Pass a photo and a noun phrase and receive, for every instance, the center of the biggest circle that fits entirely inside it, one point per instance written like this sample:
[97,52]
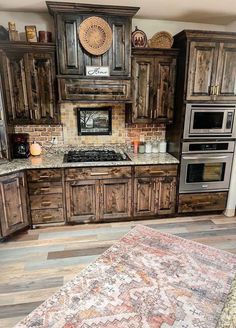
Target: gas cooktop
[94,155]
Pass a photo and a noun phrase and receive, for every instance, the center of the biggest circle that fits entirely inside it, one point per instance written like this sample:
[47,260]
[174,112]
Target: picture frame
[31,33]
[94,121]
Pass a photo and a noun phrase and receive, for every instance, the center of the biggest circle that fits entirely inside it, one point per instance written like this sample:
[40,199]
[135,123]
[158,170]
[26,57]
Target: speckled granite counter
[55,160]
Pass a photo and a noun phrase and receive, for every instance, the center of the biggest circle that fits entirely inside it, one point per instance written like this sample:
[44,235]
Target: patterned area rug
[146,280]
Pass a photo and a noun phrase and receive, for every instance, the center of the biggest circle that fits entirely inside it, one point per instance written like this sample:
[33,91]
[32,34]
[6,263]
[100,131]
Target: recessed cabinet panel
[82,201]
[13,212]
[226,74]
[202,67]
[166,195]
[144,197]
[142,70]
[115,198]
[164,97]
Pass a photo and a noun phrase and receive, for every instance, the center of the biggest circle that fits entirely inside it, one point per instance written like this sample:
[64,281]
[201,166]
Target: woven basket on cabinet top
[161,40]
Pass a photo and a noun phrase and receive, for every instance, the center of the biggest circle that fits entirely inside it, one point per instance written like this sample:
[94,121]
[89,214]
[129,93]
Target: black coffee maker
[20,145]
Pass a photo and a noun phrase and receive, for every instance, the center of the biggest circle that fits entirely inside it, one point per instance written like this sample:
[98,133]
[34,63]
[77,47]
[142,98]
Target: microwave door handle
[215,157]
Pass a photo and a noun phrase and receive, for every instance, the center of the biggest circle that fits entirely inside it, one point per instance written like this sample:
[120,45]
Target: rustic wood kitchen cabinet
[28,72]
[13,203]
[153,85]
[210,59]
[98,193]
[46,196]
[155,190]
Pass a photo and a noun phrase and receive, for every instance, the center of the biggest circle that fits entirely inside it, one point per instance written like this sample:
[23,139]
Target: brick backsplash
[67,134]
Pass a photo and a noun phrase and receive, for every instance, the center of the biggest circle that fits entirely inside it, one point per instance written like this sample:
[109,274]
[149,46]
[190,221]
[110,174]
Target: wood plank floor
[35,264]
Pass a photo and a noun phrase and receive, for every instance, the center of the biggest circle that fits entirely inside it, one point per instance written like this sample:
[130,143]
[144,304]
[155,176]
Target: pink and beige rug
[146,280]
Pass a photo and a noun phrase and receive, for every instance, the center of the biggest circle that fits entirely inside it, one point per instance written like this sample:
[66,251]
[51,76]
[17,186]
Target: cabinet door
[115,198]
[69,54]
[119,53]
[4,145]
[165,68]
[13,210]
[166,195]
[202,70]
[226,72]
[15,85]
[82,200]
[144,196]
[142,74]
[41,87]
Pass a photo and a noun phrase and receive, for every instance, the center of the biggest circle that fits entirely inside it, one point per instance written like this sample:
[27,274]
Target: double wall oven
[207,147]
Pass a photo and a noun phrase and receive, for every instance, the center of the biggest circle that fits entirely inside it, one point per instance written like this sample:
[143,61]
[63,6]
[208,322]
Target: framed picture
[94,121]
[31,33]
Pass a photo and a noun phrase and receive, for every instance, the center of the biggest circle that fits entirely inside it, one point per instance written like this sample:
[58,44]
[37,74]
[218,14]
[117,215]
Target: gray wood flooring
[36,263]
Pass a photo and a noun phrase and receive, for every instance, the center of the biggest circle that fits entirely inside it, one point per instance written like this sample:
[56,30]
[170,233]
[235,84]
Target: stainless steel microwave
[210,121]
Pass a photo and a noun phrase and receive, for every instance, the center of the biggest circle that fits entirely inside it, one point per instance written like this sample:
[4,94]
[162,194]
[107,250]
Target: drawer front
[44,175]
[97,173]
[47,216]
[46,201]
[41,188]
[202,202]
[78,89]
[155,170]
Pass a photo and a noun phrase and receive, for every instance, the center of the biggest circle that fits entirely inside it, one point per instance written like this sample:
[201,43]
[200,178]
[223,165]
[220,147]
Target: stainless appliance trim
[208,149]
[205,186]
[228,110]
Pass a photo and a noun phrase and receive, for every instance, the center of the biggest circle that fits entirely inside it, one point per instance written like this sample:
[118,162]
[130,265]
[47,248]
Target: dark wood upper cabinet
[29,79]
[4,142]
[153,77]
[207,65]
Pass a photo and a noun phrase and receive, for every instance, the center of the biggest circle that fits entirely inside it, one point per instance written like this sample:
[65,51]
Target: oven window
[206,120]
[206,172]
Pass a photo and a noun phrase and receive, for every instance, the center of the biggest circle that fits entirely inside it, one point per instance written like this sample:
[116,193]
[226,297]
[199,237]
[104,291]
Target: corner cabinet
[153,85]
[13,204]
[210,59]
[29,77]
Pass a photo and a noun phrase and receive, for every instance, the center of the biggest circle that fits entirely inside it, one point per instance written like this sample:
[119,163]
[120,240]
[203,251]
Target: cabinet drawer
[87,89]
[44,175]
[202,202]
[46,201]
[47,216]
[41,188]
[97,173]
[155,170]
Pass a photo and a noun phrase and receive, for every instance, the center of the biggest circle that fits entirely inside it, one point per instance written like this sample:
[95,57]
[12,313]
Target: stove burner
[94,156]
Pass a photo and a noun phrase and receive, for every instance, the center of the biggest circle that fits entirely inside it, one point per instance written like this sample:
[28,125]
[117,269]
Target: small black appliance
[20,145]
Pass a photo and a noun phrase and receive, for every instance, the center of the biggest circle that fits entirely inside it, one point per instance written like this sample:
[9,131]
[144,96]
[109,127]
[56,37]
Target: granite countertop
[55,160]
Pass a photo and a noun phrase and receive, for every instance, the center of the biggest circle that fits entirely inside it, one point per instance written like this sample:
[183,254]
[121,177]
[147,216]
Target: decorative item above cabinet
[77,49]
[208,61]
[28,75]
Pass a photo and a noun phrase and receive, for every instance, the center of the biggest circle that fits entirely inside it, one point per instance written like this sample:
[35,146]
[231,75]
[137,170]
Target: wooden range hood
[72,58]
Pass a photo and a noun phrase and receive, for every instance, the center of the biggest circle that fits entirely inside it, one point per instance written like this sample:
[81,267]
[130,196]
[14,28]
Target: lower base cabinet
[154,196]
[202,202]
[98,200]
[13,204]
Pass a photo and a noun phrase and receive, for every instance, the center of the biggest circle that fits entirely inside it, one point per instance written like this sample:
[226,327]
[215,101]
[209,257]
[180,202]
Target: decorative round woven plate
[95,35]
[161,40]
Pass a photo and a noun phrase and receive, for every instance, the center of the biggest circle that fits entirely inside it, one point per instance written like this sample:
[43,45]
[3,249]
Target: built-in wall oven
[206,166]
[210,121]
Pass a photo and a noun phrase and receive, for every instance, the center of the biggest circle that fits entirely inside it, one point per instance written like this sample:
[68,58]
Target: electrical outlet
[54,141]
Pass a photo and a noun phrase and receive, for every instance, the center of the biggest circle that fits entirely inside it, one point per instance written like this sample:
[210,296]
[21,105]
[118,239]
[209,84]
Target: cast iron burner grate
[94,156]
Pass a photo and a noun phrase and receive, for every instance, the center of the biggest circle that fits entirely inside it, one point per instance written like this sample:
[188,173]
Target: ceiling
[200,11]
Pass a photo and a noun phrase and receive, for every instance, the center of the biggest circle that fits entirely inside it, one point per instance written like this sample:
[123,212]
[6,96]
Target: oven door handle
[215,157]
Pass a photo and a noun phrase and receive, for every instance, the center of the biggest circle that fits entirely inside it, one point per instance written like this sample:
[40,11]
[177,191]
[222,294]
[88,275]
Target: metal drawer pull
[44,177]
[46,203]
[157,172]
[47,217]
[99,173]
[44,189]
